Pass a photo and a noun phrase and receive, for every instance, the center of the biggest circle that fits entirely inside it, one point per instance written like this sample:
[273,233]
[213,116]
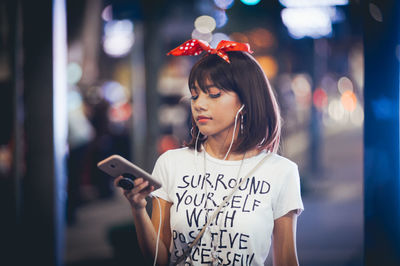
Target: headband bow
[196,47]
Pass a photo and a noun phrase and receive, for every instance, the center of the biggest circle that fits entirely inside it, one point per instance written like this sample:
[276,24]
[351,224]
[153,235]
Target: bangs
[201,77]
[212,69]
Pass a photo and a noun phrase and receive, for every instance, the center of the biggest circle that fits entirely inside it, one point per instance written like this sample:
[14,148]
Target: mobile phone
[116,165]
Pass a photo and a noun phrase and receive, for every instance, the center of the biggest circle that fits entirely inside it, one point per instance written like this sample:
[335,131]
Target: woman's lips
[203,119]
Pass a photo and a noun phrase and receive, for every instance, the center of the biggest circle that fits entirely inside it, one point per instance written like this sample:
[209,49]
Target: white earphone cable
[195,148]
[234,131]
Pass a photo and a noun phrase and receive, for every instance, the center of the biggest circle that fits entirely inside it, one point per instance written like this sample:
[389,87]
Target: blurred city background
[312,53]
[125,96]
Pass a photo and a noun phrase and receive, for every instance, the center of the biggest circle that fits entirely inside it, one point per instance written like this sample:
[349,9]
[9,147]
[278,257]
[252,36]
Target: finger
[137,185]
[147,188]
[117,179]
[150,189]
[138,181]
[146,191]
[140,187]
[135,190]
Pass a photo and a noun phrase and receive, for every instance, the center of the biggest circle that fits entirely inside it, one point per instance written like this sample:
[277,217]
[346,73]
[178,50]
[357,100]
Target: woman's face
[214,111]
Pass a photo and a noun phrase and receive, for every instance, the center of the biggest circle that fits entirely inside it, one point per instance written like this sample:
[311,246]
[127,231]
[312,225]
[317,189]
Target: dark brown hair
[244,76]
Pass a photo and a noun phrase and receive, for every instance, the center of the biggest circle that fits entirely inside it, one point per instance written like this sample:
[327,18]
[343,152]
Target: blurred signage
[311,18]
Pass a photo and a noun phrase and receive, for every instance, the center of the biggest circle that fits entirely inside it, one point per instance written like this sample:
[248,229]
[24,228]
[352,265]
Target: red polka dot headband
[196,47]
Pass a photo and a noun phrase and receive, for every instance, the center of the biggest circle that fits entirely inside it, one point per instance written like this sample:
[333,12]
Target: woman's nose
[200,104]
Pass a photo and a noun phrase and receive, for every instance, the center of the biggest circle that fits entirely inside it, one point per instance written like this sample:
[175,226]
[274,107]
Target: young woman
[232,157]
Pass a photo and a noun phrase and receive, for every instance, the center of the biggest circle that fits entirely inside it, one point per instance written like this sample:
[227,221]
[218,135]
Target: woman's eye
[214,92]
[215,95]
[193,94]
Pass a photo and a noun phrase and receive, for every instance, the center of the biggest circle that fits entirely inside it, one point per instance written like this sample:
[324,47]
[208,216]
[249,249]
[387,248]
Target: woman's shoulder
[178,153]
[281,161]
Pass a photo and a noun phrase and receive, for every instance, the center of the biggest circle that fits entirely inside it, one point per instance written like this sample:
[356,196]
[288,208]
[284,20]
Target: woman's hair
[244,76]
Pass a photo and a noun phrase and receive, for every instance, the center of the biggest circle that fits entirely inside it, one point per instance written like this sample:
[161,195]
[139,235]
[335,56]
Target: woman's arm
[284,240]
[165,230]
[146,228]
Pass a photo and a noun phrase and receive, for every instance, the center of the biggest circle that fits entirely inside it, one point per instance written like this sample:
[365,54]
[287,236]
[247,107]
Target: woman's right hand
[137,195]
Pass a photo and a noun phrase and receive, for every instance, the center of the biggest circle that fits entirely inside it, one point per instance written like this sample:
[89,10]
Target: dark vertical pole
[381,133]
[45,126]
[320,47]
[153,54]
[139,122]
[10,173]
[37,231]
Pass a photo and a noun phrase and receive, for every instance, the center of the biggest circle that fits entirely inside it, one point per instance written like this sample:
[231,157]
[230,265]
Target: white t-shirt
[241,232]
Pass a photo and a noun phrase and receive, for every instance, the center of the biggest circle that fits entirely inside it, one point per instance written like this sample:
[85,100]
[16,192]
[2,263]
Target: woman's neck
[217,149]
[218,145]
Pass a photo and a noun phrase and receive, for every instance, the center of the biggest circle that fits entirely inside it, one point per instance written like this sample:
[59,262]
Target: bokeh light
[356,61]
[311,18]
[167,142]
[312,22]
[239,37]
[80,129]
[224,4]
[217,37]
[357,116]
[118,37]
[205,24]
[375,12]
[302,90]
[250,2]
[106,15]
[202,36]
[74,73]
[308,3]
[336,110]
[261,38]
[349,101]
[74,100]
[345,84]
[320,98]
[114,92]
[120,112]
[269,65]
[300,85]
[220,18]
[6,159]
